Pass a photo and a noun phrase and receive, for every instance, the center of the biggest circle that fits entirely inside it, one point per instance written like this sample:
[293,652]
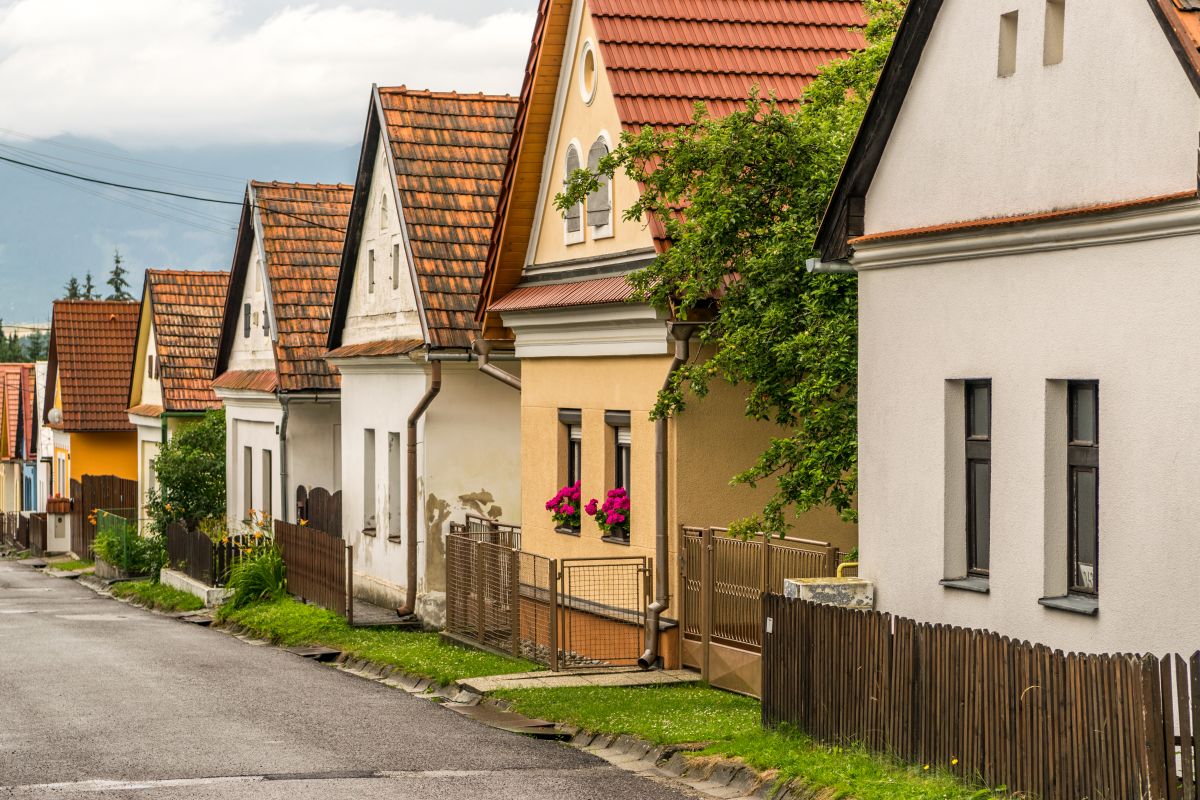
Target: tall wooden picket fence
[319,567]
[983,706]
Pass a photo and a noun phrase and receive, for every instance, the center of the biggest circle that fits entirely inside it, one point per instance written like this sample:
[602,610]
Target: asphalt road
[99,699]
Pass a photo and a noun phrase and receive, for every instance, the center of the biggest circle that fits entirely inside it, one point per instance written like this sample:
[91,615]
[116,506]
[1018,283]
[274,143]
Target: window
[369,480]
[599,202]
[383,212]
[979,475]
[371,271]
[1052,44]
[588,73]
[618,423]
[150,366]
[246,321]
[1083,476]
[247,481]
[395,495]
[1007,61]
[395,267]
[572,421]
[268,474]
[266,322]
[573,219]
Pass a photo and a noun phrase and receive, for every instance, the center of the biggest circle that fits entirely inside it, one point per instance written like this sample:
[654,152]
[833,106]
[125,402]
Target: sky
[200,96]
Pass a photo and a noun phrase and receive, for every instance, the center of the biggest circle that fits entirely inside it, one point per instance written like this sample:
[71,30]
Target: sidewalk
[609,676]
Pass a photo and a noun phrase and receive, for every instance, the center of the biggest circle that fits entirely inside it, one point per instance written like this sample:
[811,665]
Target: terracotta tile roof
[449,152]
[1180,20]
[250,380]
[303,230]
[612,289]
[1023,219]
[29,411]
[661,58]
[383,347]
[91,350]
[146,410]
[187,307]
[10,388]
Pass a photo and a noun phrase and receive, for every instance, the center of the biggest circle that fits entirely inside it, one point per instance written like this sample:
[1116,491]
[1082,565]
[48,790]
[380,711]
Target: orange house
[88,376]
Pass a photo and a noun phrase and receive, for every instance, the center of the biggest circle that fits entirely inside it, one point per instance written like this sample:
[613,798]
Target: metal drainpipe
[410,590]
[682,334]
[484,348]
[284,502]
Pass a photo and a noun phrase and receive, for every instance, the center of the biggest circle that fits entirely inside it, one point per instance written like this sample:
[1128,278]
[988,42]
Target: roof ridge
[451,94]
[299,185]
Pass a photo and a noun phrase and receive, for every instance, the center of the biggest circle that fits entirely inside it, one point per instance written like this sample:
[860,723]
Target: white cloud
[189,72]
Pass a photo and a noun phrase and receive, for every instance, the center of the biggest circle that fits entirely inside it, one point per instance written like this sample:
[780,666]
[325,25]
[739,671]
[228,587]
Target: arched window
[574,215]
[383,212]
[599,202]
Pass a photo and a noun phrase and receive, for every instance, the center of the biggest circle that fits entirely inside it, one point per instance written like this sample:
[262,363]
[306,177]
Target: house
[87,380]
[555,291]
[425,436]
[43,444]
[280,395]
[179,325]
[1021,209]
[15,382]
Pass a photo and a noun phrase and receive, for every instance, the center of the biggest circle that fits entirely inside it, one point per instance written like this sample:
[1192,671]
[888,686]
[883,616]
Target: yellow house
[88,376]
[592,363]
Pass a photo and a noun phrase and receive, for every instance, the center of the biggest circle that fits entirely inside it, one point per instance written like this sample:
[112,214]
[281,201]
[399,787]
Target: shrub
[190,475]
[260,576]
[118,543]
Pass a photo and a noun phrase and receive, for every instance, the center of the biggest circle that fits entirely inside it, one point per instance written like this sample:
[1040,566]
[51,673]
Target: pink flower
[590,508]
[568,509]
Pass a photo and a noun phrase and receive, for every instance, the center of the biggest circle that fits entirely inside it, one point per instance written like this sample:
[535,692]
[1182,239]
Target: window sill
[368,532]
[396,539]
[971,583]
[1074,603]
[568,531]
[622,540]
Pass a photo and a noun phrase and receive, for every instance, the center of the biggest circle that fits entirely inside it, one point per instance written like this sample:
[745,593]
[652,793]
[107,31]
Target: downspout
[410,589]
[284,498]
[484,348]
[682,334]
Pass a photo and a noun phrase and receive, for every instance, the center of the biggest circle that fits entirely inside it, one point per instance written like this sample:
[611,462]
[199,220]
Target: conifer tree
[116,279]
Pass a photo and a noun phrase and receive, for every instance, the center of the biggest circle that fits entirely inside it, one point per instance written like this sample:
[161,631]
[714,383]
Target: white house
[179,326]
[1021,209]
[280,395]
[426,437]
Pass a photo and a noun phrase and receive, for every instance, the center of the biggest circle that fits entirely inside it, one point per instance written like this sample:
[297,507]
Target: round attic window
[587,73]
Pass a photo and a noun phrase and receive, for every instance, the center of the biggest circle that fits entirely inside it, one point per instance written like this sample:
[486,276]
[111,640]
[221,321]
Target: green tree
[89,287]
[116,279]
[72,290]
[754,185]
[190,475]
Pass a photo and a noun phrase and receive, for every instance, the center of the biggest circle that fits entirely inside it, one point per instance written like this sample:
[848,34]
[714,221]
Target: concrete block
[211,595]
[431,609]
[843,592]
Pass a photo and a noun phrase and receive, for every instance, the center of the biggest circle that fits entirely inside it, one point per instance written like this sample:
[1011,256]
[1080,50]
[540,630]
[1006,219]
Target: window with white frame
[599,202]
[573,218]
[383,211]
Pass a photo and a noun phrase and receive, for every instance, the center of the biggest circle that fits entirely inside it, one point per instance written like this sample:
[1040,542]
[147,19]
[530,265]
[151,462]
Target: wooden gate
[98,492]
[722,581]
[319,567]
[320,509]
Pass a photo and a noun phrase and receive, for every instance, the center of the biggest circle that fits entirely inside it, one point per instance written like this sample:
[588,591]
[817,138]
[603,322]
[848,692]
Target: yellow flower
[303,523]
[926,767]
[954,762]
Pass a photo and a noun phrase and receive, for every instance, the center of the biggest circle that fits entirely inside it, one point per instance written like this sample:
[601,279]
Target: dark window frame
[568,418]
[1083,457]
[978,452]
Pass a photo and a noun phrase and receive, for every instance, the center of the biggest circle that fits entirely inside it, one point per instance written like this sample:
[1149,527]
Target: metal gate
[602,610]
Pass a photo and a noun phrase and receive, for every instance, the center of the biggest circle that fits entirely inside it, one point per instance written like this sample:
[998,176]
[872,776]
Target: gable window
[395,267]
[599,202]
[1052,44]
[383,212]
[150,367]
[979,476]
[1083,486]
[1007,60]
[371,271]
[573,219]
[589,74]
[246,321]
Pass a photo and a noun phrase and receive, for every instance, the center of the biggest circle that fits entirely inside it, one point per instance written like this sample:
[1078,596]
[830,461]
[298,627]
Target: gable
[92,347]
[145,387]
[251,347]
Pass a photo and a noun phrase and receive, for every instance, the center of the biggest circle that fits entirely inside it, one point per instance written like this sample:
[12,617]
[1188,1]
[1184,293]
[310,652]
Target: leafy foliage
[119,543]
[259,577]
[190,470]
[15,348]
[157,596]
[754,185]
[72,290]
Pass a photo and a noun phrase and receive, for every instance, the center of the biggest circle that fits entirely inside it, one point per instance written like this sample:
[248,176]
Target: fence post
[480,569]
[350,583]
[514,603]
[706,602]
[832,554]
[554,662]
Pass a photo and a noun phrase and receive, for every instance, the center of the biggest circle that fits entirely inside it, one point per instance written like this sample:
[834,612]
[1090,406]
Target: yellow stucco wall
[104,454]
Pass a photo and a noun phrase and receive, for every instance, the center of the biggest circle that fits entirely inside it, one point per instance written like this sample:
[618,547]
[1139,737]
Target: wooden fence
[196,555]
[319,567]
[93,492]
[983,706]
[320,508]
[38,534]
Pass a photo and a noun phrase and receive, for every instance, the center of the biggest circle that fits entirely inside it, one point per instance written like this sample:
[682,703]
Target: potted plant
[612,515]
[564,508]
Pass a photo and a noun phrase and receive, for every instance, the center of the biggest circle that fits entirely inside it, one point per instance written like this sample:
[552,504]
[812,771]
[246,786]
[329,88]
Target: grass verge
[157,595]
[728,726]
[72,566]
[290,623]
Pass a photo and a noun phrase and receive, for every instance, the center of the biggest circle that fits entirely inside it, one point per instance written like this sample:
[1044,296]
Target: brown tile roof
[91,353]
[612,289]
[10,387]
[1180,20]
[29,412]
[146,410]
[661,58]
[383,347]
[1023,219]
[187,307]
[303,229]
[251,380]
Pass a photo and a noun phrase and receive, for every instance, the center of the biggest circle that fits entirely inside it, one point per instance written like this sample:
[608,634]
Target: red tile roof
[382,347]
[187,307]
[29,412]
[146,410]
[613,289]
[91,350]
[250,380]
[303,229]
[10,390]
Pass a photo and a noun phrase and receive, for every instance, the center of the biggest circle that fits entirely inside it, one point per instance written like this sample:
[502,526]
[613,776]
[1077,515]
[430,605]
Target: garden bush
[119,543]
[260,576]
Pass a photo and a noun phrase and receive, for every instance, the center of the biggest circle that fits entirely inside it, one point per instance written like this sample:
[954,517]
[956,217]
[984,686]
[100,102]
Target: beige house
[1021,209]
[592,362]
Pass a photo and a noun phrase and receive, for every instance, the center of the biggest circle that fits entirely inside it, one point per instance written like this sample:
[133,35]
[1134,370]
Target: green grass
[727,725]
[290,623]
[157,595]
[71,566]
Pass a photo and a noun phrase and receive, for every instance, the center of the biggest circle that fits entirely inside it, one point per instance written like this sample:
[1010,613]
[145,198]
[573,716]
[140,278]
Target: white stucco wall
[45,443]
[250,422]
[1117,119]
[313,446]
[151,388]
[1127,315]
[389,312]
[255,351]
[149,439]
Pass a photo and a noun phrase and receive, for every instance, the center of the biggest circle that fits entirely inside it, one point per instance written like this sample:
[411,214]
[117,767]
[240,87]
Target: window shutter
[574,213]
[624,437]
[599,206]
[576,433]
[246,321]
